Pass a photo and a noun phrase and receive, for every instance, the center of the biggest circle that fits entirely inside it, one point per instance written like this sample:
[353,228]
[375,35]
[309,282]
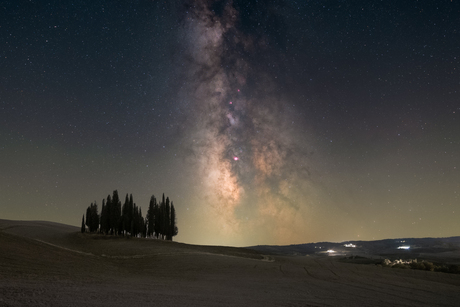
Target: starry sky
[265,122]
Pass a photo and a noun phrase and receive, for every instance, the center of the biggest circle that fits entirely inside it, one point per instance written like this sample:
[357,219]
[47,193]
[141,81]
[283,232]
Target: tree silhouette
[140,223]
[162,218]
[92,217]
[104,218]
[157,218]
[88,217]
[108,215]
[115,214]
[116,219]
[83,228]
[167,217]
[174,229]
[151,216]
[134,224]
[131,212]
[125,216]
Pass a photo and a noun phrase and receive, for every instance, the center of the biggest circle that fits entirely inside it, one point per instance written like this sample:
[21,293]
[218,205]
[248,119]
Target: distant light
[330,251]
[404,247]
[231,102]
[350,245]
[236,158]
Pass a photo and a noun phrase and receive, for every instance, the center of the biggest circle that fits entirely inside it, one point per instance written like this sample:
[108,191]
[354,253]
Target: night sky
[265,122]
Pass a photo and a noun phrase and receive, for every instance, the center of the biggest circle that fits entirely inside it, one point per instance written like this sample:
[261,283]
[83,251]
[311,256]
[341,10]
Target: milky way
[251,160]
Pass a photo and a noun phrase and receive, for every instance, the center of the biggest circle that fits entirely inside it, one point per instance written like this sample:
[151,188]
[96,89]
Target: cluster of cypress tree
[161,219]
[116,219]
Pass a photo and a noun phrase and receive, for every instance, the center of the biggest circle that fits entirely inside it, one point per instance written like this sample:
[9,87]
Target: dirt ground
[49,264]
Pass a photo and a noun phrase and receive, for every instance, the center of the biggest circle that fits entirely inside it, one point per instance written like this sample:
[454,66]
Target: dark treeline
[127,220]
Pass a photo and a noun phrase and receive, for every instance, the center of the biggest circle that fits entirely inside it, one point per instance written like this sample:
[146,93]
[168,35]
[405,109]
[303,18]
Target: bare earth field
[50,264]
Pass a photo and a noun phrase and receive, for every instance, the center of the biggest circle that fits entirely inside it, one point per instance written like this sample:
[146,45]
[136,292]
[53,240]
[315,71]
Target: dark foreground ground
[49,264]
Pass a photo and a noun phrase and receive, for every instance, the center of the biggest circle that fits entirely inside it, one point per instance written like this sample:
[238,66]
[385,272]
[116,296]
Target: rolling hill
[50,264]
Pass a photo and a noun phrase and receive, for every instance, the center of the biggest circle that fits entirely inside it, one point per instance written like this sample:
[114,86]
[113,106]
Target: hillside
[50,264]
[434,249]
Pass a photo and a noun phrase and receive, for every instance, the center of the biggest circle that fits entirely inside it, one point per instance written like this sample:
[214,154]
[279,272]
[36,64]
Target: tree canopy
[127,220]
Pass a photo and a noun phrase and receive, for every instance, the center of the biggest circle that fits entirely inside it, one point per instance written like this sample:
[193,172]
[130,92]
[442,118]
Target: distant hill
[446,249]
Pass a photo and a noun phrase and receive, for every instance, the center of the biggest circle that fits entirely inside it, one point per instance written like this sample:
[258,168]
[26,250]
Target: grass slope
[50,264]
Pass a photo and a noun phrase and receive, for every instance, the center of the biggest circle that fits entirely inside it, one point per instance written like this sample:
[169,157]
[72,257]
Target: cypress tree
[134,221]
[157,219]
[160,220]
[94,218]
[115,214]
[150,219]
[138,219]
[83,228]
[103,217]
[141,223]
[88,217]
[174,230]
[144,227]
[167,217]
[109,209]
[124,216]
[131,206]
